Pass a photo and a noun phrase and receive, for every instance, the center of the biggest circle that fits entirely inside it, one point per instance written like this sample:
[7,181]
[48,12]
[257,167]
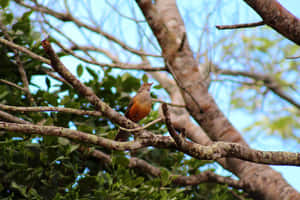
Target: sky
[224,16]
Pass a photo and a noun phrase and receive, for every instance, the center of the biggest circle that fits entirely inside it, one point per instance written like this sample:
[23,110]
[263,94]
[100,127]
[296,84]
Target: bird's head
[145,86]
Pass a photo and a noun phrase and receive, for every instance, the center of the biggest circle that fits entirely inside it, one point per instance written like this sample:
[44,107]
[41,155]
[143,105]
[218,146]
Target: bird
[138,108]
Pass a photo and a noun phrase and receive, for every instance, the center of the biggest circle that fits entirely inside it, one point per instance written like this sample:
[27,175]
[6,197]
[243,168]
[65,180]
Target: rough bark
[168,27]
[279,18]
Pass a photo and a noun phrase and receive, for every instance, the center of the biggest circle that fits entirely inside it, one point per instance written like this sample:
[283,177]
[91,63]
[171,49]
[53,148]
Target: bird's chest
[140,108]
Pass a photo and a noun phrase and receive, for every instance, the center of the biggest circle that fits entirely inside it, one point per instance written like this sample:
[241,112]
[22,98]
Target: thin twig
[19,65]
[13,85]
[292,57]
[24,50]
[68,17]
[124,16]
[54,109]
[171,104]
[180,85]
[267,80]
[75,46]
[143,127]
[236,26]
[126,66]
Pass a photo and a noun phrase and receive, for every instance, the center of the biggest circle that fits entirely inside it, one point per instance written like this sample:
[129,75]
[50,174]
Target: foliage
[35,167]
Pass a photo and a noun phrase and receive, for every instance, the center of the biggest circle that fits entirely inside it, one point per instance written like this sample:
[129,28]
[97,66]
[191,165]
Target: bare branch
[210,177]
[118,65]
[19,65]
[136,163]
[24,50]
[178,139]
[212,152]
[70,134]
[292,57]
[13,85]
[10,118]
[267,80]
[141,128]
[279,18]
[224,149]
[170,104]
[55,109]
[85,91]
[236,26]
[68,17]
[124,16]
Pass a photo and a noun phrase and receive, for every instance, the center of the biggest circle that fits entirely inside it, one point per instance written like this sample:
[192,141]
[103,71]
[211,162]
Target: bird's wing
[129,106]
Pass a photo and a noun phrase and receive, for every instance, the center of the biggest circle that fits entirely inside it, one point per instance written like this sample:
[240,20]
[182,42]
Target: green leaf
[73,148]
[20,188]
[119,159]
[48,82]
[92,73]
[7,18]
[4,3]
[165,177]
[145,78]
[79,70]
[63,141]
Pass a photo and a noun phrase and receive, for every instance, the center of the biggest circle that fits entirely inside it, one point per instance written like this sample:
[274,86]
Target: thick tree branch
[139,164]
[168,27]
[10,118]
[279,18]
[70,134]
[212,152]
[58,66]
[223,149]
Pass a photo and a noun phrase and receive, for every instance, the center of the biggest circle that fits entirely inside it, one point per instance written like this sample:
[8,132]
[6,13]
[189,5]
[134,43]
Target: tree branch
[118,65]
[71,134]
[224,149]
[279,18]
[168,29]
[24,50]
[8,117]
[13,85]
[268,81]
[55,109]
[67,17]
[236,26]
[19,65]
[58,66]
[136,163]
[212,152]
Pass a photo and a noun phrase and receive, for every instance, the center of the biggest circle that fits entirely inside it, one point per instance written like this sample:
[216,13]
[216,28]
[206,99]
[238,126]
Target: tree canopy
[69,69]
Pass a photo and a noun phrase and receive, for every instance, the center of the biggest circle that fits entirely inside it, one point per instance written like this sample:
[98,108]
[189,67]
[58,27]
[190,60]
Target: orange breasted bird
[138,108]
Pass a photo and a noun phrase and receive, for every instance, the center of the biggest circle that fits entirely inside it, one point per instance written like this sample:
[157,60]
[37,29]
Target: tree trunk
[168,27]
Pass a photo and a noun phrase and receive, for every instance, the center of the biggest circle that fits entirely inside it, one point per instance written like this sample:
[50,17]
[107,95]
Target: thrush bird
[138,108]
